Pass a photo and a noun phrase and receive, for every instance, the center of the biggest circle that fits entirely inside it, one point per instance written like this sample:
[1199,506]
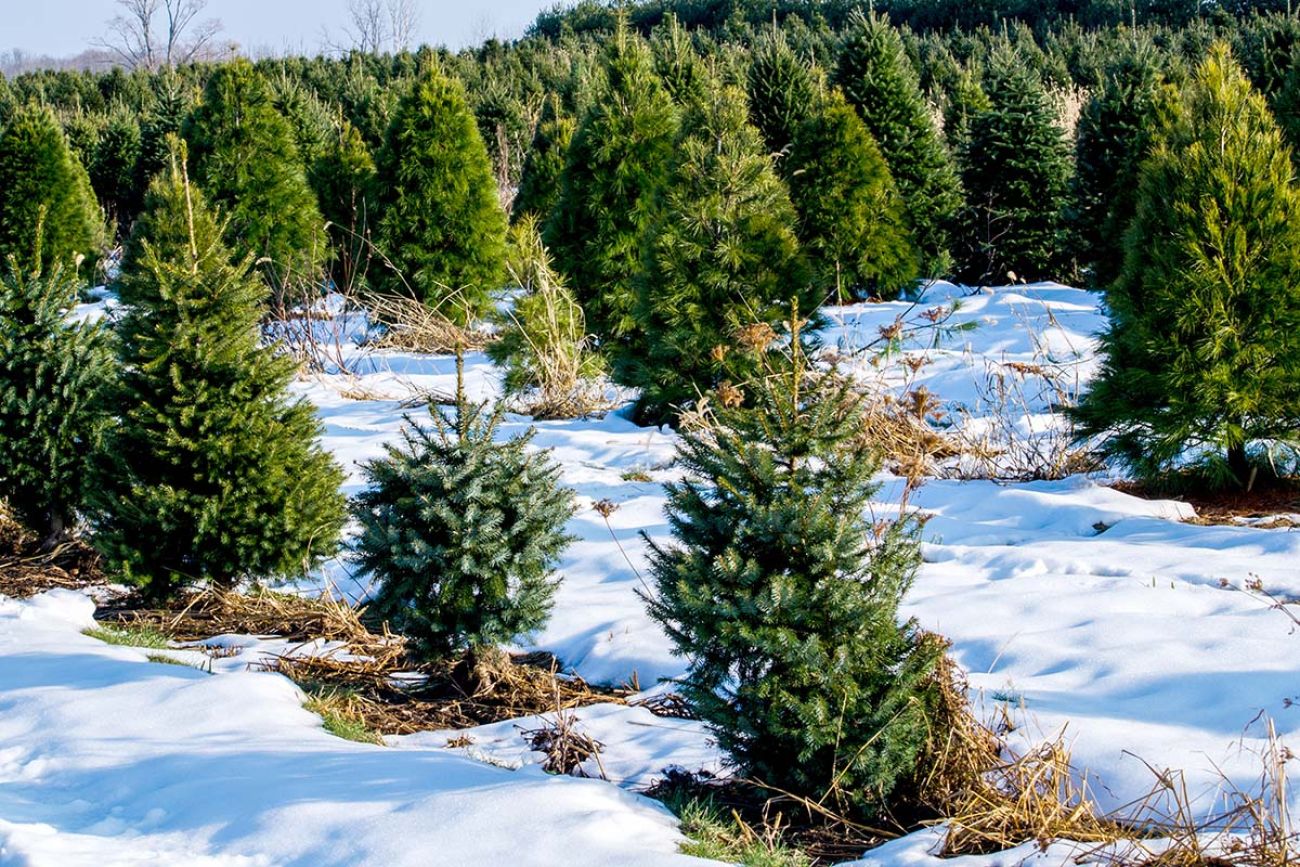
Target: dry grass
[25,570]
[411,325]
[901,430]
[565,746]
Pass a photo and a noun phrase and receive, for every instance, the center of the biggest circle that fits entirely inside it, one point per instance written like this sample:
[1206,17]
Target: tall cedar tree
[213,472]
[53,375]
[539,189]
[879,81]
[247,162]
[723,255]
[783,92]
[46,202]
[621,156]
[1203,347]
[852,221]
[441,225]
[1114,134]
[1016,170]
[783,596]
[463,532]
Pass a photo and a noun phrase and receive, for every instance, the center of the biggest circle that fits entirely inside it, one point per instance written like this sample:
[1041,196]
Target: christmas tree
[46,201]
[783,91]
[1202,355]
[343,177]
[441,228]
[212,472]
[782,596]
[540,187]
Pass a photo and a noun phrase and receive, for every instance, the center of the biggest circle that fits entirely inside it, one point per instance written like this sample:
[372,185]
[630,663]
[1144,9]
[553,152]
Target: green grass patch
[722,836]
[129,636]
[337,709]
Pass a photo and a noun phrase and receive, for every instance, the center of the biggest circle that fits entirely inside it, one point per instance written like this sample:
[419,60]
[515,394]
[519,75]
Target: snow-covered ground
[1076,607]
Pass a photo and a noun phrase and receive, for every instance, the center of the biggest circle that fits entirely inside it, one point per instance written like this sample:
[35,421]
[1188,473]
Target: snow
[1073,606]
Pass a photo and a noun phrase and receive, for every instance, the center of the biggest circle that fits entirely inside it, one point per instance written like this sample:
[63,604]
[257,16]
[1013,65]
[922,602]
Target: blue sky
[65,27]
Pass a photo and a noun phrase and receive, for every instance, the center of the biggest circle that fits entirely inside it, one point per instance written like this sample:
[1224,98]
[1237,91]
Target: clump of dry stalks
[565,746]
[411,325]
[902,431]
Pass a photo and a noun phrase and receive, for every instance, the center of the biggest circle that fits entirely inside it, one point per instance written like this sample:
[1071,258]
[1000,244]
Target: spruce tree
[879,81]
[441,225]
[247,162]
[723,255]
[113,171]
[1202,354]
[621,155]
[53,375]
[1114,133]
[462,531]
[46,201]
[539,189]
[783,92]
[212,472]
[1016,170]
[851,218]
[677,63]
[782,596]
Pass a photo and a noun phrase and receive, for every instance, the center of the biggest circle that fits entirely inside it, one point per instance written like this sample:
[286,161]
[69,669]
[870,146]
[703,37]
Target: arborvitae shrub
[462,531]
[212,472]
[782,595]
[247,162]
[1115,131]
[851,218]
[783,92]
[53,375]
[621,155]
[879,81]
[441,226]
[539,189]
[1202,354]
[1016,170]
[722,255]
[46,202]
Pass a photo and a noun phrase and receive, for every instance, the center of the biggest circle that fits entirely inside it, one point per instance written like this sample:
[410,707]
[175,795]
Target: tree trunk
[56,533]
[1239,465]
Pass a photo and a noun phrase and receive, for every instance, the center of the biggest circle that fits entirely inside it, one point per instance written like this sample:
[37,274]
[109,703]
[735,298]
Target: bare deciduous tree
[380,25]
[138,39]
[403,21]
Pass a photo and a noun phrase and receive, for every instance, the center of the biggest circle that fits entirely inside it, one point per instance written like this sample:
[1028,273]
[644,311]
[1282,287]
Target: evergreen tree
[212,472]
[966,99]
[113,173]
[851,218]
[539,189]
[46,202]
[879,81]
[246,160]
[52,378]
[343,178]
[1202,354]
[677,63]
[722,256]
[463,532]
[441,225]
[783,92]
[1114,133]
[1017,173]
[783,597]
[168,105]
[621,155]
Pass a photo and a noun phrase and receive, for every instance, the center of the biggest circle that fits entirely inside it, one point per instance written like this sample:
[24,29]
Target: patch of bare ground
[1270,504]
[26,569]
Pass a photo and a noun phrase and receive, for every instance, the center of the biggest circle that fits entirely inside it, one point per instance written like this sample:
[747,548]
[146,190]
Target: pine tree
[621,155]
[53,375]
[851,218]
[783,92]
[1016,170]
[441,225]
[677,63]
[463,532]
[879,81]
[247,162]
[343,178]
[722,256]
[212,472]
[46,202]
[1114,133]
[539,189]
[1202,354]
[783,597]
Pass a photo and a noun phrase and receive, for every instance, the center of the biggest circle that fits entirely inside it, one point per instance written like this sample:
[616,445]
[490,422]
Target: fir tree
[723,255]
[621,155]
[246,160]
[879,81]
[53,375]
[851,218]
[441,225]
[212,472]
[1114,133]
[343,178]
[46,202]
[113,171]
[1016,172]
[539,188]
[783,92]
[783,597]
[966,100]
[1202,353]
[677,63]
[463,532]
